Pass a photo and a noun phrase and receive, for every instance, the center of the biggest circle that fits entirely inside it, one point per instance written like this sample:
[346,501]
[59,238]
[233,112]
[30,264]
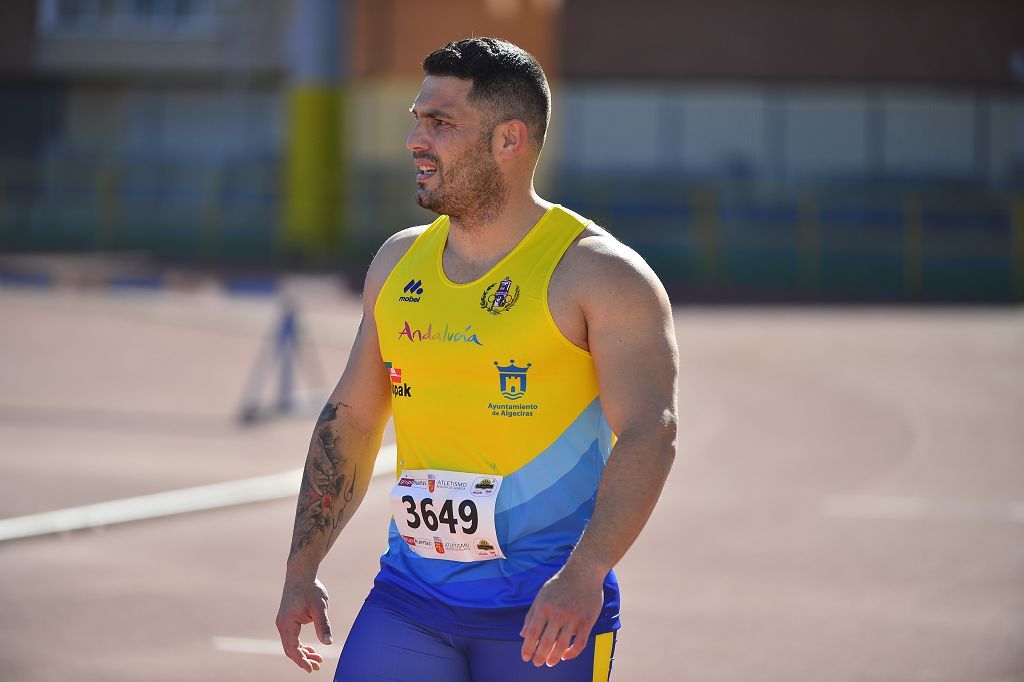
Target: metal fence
[850,242]
[191,212]
[708,239]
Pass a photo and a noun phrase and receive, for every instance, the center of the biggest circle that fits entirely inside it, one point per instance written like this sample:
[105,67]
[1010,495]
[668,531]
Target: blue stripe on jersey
[544,470]
[542,510]
[516,525]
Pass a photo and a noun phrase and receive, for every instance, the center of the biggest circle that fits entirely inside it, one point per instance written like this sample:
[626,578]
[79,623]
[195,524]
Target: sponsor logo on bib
[483,486]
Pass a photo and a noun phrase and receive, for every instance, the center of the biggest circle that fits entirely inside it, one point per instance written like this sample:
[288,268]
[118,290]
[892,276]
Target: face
[456,173]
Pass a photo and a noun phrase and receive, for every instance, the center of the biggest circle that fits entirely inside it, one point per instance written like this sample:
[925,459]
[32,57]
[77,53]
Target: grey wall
[794,133]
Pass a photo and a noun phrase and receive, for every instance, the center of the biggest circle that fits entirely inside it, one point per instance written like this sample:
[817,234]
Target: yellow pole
[312,175]
[312,213]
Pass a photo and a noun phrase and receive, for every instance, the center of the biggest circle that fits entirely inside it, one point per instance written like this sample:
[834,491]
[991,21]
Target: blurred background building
[750,149]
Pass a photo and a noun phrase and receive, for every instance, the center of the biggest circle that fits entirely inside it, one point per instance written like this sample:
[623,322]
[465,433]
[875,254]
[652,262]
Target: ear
[511,138]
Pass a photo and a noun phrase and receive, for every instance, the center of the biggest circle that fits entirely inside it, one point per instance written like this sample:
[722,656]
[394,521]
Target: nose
[417,140]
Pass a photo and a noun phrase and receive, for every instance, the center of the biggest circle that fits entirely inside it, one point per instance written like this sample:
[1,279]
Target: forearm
[335,478]
[630,486]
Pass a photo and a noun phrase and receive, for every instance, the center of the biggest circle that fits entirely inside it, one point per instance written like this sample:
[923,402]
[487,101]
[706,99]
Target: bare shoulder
[387,257]
[599,284]
[396,246]
[602,272]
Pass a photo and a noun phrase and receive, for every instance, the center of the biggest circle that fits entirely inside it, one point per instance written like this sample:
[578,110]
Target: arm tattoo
[325,488]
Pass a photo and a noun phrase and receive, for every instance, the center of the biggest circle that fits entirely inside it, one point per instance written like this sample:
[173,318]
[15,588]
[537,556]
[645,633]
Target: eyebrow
[430,113]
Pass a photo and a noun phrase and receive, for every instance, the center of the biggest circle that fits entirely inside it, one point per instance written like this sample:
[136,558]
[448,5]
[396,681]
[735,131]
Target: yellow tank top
[484,382]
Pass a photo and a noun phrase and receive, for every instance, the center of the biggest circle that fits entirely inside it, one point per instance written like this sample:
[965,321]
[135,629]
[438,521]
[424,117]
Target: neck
[481,241]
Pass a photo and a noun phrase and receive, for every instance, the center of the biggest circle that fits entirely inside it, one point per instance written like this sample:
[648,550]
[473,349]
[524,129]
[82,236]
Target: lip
[428,165]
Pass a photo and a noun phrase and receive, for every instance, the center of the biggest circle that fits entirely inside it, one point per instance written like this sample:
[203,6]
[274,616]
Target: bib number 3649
[423,514]
[447,515]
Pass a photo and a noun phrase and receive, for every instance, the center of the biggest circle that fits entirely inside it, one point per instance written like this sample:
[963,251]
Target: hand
[567,606]
[302,604]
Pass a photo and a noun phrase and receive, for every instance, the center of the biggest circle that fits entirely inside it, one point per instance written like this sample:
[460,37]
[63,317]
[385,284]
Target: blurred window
[127,17]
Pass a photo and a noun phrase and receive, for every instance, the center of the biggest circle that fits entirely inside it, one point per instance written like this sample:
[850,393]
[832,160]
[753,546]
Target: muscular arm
[337,471]
[634,348]
[632,340]
[339,464]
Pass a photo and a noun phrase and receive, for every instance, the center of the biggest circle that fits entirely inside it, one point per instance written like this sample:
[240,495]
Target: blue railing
[707,238]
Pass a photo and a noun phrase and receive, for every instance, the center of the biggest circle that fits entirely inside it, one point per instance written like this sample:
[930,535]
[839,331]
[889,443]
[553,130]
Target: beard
[469,188]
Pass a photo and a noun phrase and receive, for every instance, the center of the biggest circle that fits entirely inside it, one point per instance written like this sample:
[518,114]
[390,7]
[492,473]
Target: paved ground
[848,503]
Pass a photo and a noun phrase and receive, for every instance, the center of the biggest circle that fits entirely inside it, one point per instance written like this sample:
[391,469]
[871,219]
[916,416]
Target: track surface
[847,503]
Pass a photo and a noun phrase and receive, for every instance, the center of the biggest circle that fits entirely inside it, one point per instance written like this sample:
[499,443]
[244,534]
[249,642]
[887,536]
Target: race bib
[447,514]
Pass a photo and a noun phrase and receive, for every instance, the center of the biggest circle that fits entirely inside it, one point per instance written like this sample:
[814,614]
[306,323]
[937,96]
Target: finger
[547,640]
[531,635]
[322,588]
[310,659]
[321,623]
[527,622]
[559,647]
[289,631]
[579,645]
[303,662]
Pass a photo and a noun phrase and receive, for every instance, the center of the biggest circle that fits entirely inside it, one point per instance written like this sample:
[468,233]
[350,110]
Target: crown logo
[512,379]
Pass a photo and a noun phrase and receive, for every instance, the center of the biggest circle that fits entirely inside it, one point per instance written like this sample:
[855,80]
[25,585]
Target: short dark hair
[507,80]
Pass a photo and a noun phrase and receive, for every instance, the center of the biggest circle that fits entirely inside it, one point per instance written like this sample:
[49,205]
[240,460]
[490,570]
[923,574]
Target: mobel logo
[413,291]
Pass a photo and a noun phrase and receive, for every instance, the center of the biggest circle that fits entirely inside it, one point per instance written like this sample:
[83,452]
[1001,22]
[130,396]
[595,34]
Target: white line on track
[264,647]
[921,509]
[215,496]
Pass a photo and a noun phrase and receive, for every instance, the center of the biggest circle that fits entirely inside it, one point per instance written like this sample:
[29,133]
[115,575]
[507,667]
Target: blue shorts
[385,646]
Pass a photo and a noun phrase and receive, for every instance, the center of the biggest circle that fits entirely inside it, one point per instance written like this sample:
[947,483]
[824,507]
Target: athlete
[529,361]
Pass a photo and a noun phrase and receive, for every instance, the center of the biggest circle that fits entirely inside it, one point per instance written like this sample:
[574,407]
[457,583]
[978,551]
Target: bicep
[363,387]
[632,341]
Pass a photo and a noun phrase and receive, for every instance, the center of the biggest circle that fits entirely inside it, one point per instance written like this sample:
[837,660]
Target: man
[510,338]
